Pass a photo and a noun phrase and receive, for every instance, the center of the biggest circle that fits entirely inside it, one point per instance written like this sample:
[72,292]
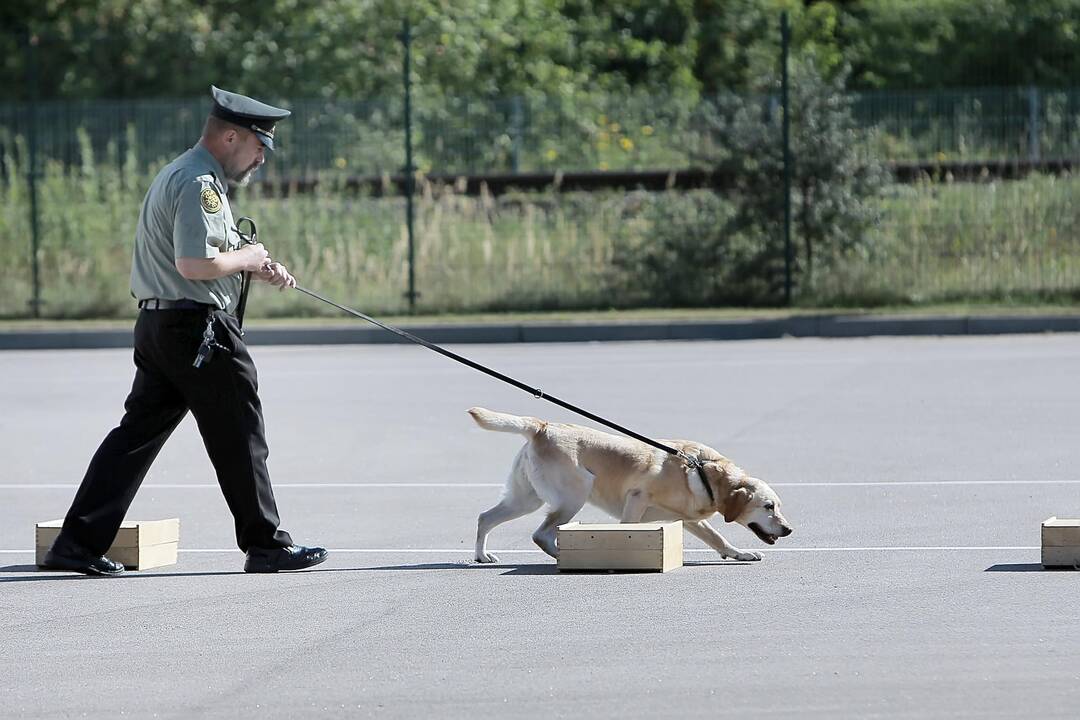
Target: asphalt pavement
[916,471]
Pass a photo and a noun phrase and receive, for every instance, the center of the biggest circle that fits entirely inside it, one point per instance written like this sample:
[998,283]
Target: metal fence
[72,173]
[95,160]
[523,134]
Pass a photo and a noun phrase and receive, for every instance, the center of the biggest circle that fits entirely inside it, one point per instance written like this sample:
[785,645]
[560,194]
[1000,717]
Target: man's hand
[276,274]
[255,257]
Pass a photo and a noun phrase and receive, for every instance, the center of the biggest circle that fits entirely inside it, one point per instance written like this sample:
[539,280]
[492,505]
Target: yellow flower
[626,144]
[340,163]
[603,166]
[647,130]
[602,120]
[551,154]
[615,127]
[940,156]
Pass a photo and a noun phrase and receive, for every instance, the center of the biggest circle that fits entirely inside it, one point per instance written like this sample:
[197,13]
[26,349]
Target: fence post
[410,171]
[516,121]
[32,175]
[1033,123]
[785,42]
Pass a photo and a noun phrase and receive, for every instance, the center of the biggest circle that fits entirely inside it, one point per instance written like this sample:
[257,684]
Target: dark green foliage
[351,48]
[673,250]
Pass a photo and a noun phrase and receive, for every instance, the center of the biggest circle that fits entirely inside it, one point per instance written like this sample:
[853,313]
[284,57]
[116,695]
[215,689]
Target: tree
[835,178]
[739,40]
[957,43]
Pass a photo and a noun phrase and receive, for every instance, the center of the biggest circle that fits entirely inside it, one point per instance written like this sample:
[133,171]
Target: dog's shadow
[509,568]
[543,568]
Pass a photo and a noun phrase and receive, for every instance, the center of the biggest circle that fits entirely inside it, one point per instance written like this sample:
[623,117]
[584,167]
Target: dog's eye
[770,506]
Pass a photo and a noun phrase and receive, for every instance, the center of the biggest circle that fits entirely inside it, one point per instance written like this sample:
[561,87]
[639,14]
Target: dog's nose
[785,532]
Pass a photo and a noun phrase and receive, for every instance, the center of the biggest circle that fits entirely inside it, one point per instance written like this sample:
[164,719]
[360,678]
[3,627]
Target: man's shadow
[40,575]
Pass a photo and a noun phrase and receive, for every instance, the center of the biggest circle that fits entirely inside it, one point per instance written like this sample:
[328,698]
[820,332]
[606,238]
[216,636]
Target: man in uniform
[187,275]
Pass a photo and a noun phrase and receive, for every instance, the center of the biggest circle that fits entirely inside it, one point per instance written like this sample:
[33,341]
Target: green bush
[835,178]
[674,249]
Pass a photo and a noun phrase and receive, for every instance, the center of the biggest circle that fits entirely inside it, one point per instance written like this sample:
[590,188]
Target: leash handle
[248,238]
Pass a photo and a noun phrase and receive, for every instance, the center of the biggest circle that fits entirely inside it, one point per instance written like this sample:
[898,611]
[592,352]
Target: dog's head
[747,501]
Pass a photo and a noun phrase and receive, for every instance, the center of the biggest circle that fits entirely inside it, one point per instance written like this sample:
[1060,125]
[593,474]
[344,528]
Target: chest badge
[211,201]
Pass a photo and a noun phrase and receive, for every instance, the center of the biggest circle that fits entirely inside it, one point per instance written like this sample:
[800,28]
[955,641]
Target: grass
[959,309]
[1004,241]
[1012,243]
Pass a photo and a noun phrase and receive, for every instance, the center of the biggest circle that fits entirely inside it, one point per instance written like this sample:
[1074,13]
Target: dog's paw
[486,558]
[743,556]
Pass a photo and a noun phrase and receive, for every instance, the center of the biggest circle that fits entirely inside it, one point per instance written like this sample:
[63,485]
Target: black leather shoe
[68,555]
[293,557]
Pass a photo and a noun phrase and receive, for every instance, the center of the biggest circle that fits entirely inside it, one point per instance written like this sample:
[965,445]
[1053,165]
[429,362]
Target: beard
[238,175]
[241,177]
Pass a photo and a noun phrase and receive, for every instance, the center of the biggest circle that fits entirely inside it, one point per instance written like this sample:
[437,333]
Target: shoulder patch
[211,201]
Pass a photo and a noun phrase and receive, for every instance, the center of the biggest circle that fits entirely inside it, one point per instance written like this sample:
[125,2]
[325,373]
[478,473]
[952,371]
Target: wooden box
[621,546]
[1061,542]
[139,544]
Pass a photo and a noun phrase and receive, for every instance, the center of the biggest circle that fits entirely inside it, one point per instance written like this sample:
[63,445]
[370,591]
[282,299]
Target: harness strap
[704,480]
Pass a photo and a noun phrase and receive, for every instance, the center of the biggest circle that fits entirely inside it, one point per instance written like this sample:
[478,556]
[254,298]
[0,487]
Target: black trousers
[223,397]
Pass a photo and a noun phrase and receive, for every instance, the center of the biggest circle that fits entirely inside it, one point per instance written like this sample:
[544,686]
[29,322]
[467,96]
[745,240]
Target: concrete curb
[825,326]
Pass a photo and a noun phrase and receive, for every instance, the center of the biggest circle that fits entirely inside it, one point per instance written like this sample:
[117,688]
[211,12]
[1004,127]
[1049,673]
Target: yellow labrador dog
[566,466]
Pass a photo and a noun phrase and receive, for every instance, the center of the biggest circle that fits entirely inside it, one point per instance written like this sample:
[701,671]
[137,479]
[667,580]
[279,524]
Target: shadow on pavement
[531,569]
[39,574]
[462,565]
[1019,567]
[528,569]
[506,568]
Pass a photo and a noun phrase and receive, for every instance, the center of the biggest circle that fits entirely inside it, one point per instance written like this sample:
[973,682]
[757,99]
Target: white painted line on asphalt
[214,486]
[361,486]
[881,548]
[887,483]
[468,551]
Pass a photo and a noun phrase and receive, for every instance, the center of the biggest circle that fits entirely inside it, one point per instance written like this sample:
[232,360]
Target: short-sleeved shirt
[185,214]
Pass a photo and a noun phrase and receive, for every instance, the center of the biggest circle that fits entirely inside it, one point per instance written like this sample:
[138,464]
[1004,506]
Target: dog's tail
[502,422]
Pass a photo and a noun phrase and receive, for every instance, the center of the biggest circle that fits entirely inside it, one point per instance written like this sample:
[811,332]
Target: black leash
[693,462]
[536,392]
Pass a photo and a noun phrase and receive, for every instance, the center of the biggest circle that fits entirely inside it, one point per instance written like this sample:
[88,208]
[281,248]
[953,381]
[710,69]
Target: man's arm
[249,258]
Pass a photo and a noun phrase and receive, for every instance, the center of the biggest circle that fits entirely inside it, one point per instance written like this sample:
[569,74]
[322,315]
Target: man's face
[248,153]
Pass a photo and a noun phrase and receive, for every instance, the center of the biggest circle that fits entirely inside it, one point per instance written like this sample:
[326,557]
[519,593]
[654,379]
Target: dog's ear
[735,503]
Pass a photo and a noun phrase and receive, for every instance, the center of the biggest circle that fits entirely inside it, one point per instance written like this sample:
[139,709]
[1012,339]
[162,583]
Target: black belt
[156,304]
